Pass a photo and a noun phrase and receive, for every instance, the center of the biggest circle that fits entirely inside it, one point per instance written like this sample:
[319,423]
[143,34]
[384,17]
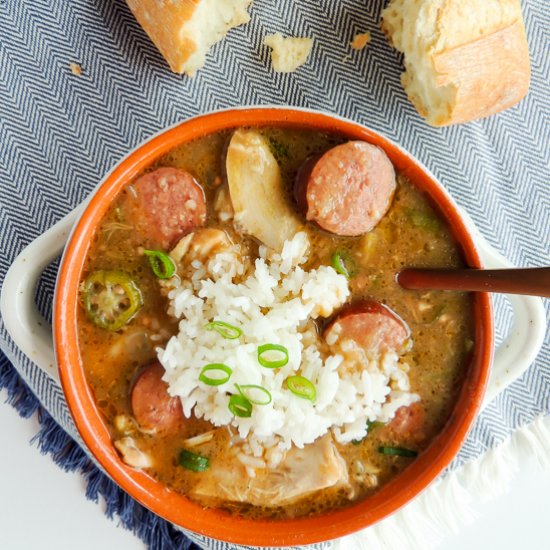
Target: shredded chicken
[201,245]
[301,472]
[365,474]
[223,206]
[199,439]
[131,454]
[125,424]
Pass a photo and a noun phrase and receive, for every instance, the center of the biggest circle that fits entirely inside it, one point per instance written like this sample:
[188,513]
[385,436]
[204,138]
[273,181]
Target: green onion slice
[343,263]
[194,462]
[397,451]
[272,356]
[257,395]
[302,387]
[221,372]
[240,406]
[230,332]
[161,263]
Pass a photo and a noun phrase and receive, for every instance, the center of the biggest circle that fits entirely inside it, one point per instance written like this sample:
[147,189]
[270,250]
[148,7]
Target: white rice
[275,304]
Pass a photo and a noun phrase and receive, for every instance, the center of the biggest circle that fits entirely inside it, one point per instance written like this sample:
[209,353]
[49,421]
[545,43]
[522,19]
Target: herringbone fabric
[60,133]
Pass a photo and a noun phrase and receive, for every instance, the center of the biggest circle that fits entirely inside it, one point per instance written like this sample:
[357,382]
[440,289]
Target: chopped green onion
[223,374]
[161,263]
[194,462]
[302,387]
[397,451]
[247,389]
[240,406]
[226,330]
[371,424]
[343,263]
[268,350]
[468,345]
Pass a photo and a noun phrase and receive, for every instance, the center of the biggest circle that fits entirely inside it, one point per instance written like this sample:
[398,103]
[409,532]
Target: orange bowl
[175,507]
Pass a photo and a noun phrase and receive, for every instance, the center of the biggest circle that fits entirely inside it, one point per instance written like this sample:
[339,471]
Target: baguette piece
[184,30]
[464,59]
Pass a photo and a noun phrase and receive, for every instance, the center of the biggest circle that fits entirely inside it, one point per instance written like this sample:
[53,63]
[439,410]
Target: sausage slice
[152,406]
[408,424]
[348,189]
[372,325]
[168,204]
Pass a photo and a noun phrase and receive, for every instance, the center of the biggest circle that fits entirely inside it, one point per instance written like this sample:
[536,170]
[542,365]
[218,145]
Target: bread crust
[491,74]
[465,59]
[184,30]
[163,21]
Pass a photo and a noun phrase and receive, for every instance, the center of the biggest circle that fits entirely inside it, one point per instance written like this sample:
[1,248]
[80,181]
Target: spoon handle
[532,281]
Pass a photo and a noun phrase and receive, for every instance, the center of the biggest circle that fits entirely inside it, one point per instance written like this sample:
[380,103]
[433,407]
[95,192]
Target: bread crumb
[360,40]
[76,69]
[288,53]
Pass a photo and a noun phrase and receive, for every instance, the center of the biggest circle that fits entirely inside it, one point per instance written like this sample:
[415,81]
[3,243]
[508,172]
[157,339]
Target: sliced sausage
[407,424]
[372,325]
[348,189]
[168,204]
[152,406]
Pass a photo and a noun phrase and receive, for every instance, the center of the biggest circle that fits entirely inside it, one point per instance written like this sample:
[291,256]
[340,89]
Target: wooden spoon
[532,281]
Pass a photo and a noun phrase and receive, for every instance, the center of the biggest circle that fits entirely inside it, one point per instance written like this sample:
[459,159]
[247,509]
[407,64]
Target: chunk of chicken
[201,245]
[262,208]
[302,472]
[131,454]
[208,251]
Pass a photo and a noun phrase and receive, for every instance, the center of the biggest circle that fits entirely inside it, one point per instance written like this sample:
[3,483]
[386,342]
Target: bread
[288,53]
[361,40]
[184,30]
[464,59]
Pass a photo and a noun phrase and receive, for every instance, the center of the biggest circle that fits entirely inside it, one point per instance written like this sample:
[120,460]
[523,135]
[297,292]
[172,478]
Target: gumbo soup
[242,330]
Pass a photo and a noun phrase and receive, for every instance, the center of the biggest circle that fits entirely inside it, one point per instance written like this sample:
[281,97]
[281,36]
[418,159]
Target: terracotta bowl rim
[178,509]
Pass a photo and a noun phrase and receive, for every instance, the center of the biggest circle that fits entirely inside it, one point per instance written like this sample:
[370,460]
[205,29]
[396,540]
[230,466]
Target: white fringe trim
[447,504]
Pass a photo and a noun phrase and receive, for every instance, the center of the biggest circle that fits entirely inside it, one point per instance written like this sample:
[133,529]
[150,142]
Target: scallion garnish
[230,332]
[343,263]
[194,462]
[397,451]
[269,356]
[302,387]
[161,263]
[257,395]
[240,406]
[222,374]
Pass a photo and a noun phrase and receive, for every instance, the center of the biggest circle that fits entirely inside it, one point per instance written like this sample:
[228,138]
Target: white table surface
[42,507]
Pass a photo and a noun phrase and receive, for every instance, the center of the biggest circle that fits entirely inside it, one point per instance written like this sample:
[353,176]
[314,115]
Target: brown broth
[412,233]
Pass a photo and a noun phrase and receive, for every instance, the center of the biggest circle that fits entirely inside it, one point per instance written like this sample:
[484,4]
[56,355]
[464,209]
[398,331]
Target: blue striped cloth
[60,133]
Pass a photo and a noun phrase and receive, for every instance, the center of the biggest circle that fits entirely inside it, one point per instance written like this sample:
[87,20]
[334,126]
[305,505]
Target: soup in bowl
[232,341]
